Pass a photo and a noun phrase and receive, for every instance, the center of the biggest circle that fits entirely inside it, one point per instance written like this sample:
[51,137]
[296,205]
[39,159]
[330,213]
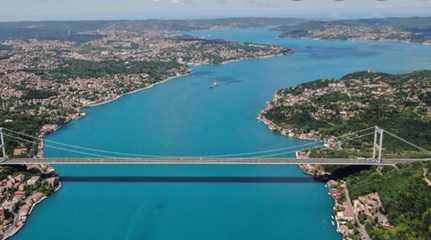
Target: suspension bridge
[264,157]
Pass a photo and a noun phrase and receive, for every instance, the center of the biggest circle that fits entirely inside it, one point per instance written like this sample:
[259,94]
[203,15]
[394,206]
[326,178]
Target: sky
[19,10]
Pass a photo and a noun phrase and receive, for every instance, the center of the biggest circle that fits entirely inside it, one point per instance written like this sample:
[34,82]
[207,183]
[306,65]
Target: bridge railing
[210,161]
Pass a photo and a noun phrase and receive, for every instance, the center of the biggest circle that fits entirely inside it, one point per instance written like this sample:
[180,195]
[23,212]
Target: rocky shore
[355,216]
[285,131]
[346,214]
[21,189]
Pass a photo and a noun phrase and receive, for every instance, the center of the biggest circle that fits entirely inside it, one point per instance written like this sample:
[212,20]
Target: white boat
[214,85]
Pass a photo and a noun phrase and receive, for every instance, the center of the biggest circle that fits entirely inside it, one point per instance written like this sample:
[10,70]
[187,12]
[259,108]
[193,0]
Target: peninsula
[21,188]
[373,203]
[415,29]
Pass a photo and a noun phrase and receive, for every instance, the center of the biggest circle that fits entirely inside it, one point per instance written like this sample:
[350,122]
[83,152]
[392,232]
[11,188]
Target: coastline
[346,212]
[19,228]
[96,104]
[81,114]
[313,171]
[51,128]
[115,97]
[48,129]
[288,132]
[358,40]
[33,206]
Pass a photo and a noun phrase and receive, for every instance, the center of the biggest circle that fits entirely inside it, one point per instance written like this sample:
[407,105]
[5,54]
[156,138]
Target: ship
[214,85]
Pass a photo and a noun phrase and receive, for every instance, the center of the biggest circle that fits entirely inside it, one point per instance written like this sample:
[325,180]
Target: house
[51,181]
[19,151]
[346,214]
[33,180]
[302,155]
[19,193]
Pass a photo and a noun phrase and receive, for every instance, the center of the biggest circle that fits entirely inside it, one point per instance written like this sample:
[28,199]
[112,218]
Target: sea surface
[186,117]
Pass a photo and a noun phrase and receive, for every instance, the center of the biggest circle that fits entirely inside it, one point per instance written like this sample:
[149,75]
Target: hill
[389,203]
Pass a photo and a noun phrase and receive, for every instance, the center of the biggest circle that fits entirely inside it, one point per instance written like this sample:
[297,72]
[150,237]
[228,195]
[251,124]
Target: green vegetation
[405,196]
[88,69]
[27,124]
[419,28]
[296,117]
[398,103]
[38,94]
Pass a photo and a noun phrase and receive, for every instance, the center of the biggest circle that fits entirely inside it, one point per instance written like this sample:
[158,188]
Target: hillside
[325,108]
[406,197]
[416,29]
[401,104]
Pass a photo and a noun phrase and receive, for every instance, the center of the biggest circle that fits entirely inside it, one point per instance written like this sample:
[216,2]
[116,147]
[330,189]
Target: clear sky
[13,10]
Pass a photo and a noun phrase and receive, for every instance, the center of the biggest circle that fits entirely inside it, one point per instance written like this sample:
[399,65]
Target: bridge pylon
[378,144]
[2,146]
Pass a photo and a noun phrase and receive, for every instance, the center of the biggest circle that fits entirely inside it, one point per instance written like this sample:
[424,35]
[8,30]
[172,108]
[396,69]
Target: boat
[214,85]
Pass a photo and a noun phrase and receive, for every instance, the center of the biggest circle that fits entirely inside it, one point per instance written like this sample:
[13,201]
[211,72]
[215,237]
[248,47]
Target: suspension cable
[58,148]
[355,138]
[155,156]
[82,147]
[275,152]
[104,156]
[285,153]
[352,133]
[407,142]
[264,151]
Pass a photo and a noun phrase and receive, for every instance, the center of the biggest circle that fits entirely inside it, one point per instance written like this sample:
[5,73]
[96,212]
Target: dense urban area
[375,203]
[46,82]
[21,188]
[49,71]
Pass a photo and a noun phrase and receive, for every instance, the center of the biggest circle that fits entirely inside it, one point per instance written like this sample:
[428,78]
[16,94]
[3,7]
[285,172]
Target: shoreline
[359,40]
[51,128]
[96,104]
[284,131]
[318,174]
[33,206]
[82,114]
[344,215]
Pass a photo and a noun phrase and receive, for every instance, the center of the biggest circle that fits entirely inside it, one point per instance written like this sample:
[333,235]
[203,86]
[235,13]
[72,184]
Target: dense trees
[406,198]
[393,102]
[401,111]
[38,94]
[89,69]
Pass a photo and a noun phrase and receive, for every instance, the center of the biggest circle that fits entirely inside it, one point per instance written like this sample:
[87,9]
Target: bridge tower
[2,146]
[378,144]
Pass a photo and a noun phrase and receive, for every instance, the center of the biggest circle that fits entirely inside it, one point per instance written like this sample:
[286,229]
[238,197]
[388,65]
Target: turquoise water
[185,117]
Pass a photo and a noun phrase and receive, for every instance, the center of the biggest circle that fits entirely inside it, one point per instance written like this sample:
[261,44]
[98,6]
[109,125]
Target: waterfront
[186,117]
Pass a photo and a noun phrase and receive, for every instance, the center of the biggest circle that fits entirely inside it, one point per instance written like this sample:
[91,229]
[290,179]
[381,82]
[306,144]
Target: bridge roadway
[203,161]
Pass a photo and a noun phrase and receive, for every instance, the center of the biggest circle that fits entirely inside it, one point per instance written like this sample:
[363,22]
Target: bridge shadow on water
[186,179]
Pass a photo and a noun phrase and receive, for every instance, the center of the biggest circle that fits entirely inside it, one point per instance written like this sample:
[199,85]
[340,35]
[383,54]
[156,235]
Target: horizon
[97,10]
[211,18]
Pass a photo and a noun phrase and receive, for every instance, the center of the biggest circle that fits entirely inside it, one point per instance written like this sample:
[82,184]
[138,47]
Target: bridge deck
[204,161]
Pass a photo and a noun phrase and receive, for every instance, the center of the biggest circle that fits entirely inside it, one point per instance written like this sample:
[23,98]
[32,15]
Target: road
[203,161]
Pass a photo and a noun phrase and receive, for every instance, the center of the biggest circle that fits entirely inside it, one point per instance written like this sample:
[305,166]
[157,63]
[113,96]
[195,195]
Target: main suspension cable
[158,156]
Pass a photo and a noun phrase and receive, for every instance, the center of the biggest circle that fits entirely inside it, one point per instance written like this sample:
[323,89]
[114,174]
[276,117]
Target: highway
[204,161]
